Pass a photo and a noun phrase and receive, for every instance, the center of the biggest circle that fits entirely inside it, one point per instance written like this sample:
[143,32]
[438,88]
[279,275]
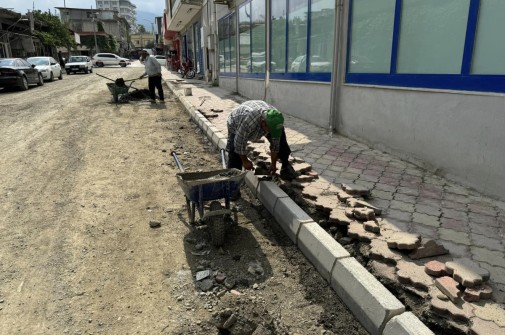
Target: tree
[51,31]
[142,29]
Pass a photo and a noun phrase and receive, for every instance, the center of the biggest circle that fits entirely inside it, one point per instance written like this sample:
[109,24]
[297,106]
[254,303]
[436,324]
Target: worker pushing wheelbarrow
[199,187]
[118,87]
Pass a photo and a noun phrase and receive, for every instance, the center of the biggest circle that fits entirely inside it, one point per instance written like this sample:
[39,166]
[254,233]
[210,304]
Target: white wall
[461,134]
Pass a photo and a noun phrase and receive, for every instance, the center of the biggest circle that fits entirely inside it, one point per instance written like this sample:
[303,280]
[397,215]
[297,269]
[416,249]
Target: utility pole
[93,19]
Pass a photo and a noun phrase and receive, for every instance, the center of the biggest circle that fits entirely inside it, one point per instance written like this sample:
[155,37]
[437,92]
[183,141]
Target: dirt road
[82,178]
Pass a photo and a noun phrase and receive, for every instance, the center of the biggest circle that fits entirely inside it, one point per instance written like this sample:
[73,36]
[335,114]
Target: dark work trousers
[155,82]
[234,161]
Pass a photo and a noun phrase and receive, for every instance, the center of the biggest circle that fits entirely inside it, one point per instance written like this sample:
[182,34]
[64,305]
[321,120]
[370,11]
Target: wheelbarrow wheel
[115,96]
[217,225]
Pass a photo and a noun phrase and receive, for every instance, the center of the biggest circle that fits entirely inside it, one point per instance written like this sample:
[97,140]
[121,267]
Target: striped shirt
[245,123]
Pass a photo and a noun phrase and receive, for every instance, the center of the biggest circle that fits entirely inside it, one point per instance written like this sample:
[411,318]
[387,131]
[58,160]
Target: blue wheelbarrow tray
[199,187]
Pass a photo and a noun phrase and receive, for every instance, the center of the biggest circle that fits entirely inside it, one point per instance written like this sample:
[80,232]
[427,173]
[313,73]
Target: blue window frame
[227,40]
[298,28]
[417,72]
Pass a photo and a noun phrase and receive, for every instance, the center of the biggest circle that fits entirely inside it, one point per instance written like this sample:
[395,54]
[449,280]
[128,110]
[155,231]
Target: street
[84,179]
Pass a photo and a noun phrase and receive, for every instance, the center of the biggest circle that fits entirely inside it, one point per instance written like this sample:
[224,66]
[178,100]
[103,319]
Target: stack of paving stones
[455,289]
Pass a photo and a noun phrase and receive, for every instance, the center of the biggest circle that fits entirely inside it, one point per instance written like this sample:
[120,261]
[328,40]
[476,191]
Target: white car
[316,64]
[78,64]
[48,66]
[103,59]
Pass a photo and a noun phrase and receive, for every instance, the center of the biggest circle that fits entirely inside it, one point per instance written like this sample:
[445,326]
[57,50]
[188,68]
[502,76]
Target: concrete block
[252,182]
[221,144]
[371,303]
[320,248]
[290,217]
[214,136]
[211,130]
[268,193]
[406,324]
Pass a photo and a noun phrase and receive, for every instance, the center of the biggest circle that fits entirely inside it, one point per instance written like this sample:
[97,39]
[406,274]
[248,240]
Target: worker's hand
[273,169]
[247,164]
[142,76]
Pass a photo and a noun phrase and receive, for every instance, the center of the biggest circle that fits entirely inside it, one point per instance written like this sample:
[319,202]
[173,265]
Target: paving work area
[439,241]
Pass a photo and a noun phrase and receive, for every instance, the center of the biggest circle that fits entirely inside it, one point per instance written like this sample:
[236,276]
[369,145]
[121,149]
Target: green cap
[275,122]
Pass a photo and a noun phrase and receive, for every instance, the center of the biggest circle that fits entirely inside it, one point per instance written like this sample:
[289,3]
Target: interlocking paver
[454,236]
[488,256]
[402,206]
[474,294]
[426,219]
[413,274]
[428,248]
[448,286]
[467,272]
[462,311]
[487,242]
[403,241]
[435,268]
[483,327]
[490,312]
[380,251]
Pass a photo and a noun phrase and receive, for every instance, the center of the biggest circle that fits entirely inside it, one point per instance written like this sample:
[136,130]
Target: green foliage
[142,29]
[51,31]
[99,26]
[105,43]
[149,45]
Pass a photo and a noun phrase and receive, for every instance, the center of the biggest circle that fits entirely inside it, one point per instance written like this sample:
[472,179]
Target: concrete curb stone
[406,324]
[320,248]
[379,311]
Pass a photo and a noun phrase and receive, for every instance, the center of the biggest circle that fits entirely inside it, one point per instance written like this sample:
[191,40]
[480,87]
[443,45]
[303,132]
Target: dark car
[17,72]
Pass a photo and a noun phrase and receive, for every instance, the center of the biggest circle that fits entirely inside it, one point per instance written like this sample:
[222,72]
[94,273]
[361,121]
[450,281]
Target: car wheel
[90,70]
[85,71]
[99,64]
[122,64]
[51,77]
[61,75]
[24,84]
[41,80]
[68,72]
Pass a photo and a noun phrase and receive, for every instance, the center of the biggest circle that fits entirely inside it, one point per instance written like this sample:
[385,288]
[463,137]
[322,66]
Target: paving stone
[489,256]
[487,242]
[349,212]
[356,190]
[338,216]
[425,231]
[426,219]
[483,219]
[476,293]
[448,286]
[453,224]
[467,272]
[497,274]
[435,268]
[429,210]
[372,226]
[382,194]
[353,202]
[428,248]
[483,327]
[309,192]
[364,214]
[342,196]
[326,203]
[456,250]
[404,241]
[410,273]
[402,206]
[461,311]
[490,312]
[356,231]
[454,214]
[380,251]
[405,198]
[302,167]
[454,236]
[384,270]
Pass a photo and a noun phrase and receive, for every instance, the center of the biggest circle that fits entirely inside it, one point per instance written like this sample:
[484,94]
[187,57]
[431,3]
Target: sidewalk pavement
[467,223]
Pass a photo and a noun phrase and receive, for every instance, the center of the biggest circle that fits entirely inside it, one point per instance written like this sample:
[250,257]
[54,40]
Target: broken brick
[474,294]
[338,216]
[428,248]
[357,231]
[449,287]
[460,311]
[404,241]
[363,214]
[358,190]
[380,251]
[435,268]
[372,226]
[412,274]
[467,272]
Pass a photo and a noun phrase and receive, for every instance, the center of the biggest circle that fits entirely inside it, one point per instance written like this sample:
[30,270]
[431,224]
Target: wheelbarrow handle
[177,162]
[223,159]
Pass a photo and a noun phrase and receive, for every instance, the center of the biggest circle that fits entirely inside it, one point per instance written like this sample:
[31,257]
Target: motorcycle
[186,70]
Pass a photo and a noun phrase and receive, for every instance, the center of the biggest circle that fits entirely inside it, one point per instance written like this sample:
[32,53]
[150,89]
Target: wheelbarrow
[199,187]
[118,87]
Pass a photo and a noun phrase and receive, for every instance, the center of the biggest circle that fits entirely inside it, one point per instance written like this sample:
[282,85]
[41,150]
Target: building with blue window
[423,79]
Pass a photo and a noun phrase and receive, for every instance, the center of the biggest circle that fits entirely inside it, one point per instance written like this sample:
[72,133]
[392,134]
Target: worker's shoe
[287,172]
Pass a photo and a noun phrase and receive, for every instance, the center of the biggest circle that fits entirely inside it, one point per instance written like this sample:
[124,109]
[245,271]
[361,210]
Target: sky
[22,6]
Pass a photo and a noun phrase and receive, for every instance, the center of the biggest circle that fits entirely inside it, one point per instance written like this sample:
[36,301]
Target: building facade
[125,8]
[422,79]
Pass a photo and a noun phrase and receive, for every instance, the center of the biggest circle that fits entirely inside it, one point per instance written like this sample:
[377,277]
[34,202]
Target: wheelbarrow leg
[200,201]
[192,215]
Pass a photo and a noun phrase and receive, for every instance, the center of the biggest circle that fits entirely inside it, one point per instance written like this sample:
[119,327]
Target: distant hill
[143,16]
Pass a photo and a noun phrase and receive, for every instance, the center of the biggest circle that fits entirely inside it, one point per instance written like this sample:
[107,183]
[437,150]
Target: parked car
[17,72]
[78,64]
[316,64]
[48,66]
[258,63]
[161,59]
[104,59]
